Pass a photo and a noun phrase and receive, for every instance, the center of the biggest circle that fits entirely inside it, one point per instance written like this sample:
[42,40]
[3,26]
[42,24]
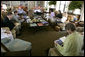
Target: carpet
[41,40]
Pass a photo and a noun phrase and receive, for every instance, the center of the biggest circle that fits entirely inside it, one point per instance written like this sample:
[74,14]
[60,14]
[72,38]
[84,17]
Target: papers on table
[39,24]
[33,24]
[44,22]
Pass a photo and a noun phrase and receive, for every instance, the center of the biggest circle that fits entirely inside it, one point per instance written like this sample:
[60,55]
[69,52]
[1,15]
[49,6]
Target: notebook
[39,24]
[60,41]
[33,24]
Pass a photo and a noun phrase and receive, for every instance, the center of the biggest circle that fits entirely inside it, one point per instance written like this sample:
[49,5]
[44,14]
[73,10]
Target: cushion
[5,40]
[18,45]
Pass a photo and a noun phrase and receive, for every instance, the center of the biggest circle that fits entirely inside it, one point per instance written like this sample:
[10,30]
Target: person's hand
[16,24]
[55,43]
[8,32]
[14,28]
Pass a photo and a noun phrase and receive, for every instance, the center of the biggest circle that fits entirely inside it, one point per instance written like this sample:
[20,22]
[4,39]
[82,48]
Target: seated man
[21,11]
[73,43]
[16,17]
[59,15]
[81,31]
[8,23]
[30,14]
[62,22]
[21,19]
[16,21]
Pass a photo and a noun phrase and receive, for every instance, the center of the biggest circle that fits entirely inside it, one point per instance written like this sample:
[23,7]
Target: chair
[54,52]
[15,47]
[80,29]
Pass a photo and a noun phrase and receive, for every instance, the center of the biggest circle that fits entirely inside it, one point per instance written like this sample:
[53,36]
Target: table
[37,23]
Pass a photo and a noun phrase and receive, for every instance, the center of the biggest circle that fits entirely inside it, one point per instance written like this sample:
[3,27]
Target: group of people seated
[7,21]
[59,20]
[67,16]
[11,25]
[71,45]
[13,18]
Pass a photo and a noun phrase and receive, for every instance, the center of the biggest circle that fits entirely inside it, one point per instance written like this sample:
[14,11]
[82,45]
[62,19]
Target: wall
[62,5]
[82,13]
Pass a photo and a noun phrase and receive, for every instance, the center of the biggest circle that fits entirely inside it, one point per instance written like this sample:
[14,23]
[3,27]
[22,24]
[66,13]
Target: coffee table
[37,24]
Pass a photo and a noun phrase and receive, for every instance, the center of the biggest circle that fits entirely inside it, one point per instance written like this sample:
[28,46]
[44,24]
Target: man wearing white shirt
[63,19]
[62,22]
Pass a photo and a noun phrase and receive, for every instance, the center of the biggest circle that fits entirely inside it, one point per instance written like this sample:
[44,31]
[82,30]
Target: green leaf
[75,4]
[52,3]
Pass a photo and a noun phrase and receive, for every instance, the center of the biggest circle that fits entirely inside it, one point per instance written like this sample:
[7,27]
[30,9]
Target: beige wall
[31,4]
[15,3]
[82,13]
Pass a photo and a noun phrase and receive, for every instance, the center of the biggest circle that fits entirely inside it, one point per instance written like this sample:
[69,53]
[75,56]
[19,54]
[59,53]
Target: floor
[41,40]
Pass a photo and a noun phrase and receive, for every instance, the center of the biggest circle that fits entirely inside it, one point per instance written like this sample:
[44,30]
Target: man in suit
[7,21]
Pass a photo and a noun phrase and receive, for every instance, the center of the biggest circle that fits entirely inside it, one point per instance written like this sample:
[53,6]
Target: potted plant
[52,4]
[75,5]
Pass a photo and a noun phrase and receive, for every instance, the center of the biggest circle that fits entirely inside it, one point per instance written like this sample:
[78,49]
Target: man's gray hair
[70,26]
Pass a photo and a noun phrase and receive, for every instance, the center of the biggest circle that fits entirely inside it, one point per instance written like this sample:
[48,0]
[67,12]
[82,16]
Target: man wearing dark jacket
[7,21]
[59,15]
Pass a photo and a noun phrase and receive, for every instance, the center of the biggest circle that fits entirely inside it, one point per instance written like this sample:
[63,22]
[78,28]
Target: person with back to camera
[73,43]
